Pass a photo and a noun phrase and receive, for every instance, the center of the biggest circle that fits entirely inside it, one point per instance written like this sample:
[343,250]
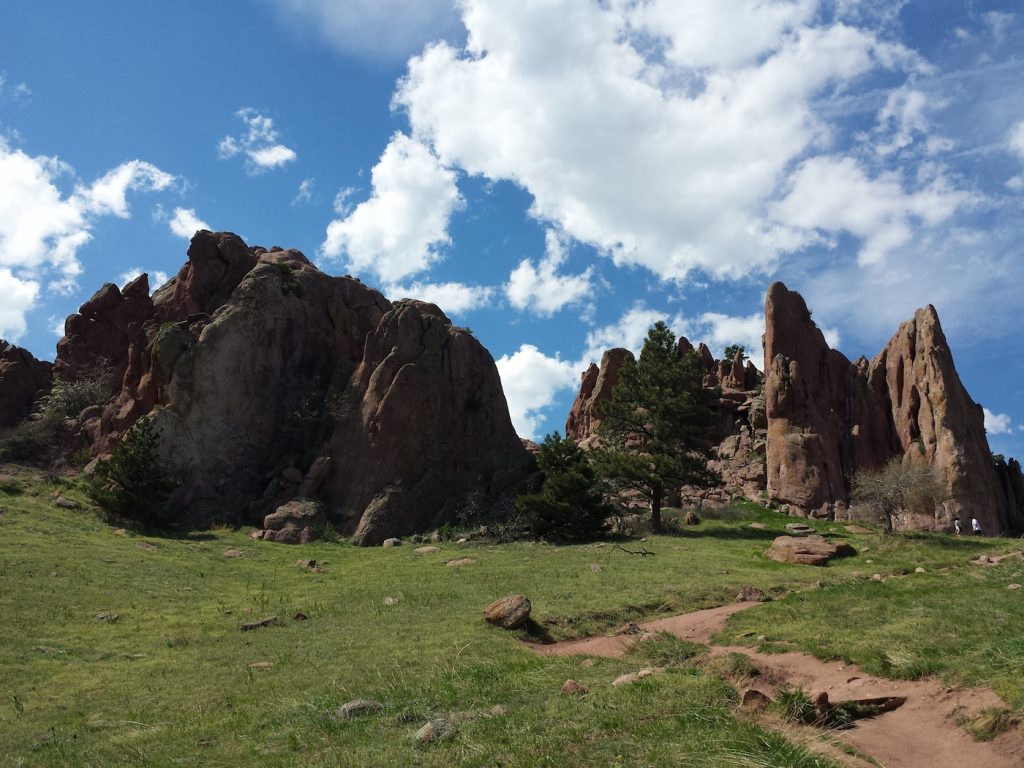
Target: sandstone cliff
[267,378]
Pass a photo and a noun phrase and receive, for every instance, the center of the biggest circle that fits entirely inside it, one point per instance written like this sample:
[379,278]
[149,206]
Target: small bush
[131,484]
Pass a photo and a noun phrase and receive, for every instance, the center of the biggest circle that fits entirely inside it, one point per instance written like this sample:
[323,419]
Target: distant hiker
[975,526]
[956,525]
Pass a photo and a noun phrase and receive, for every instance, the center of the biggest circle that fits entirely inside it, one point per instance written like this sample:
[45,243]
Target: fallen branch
[643,551]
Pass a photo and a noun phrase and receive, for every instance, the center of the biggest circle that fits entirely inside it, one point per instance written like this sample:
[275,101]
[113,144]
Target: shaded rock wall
[23,379]
[262,372]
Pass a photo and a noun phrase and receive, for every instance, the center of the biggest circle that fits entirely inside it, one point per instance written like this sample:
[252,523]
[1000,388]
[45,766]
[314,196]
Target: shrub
[896,487]
[38,439]
[569,505]
[132,484]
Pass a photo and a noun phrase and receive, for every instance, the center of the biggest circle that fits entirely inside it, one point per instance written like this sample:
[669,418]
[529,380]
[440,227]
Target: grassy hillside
[169,682]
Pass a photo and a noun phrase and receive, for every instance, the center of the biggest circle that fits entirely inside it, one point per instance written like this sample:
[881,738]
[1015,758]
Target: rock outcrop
[822,418]
[266,377]
[829,418]
[740,423]
[596,387]
[23,379]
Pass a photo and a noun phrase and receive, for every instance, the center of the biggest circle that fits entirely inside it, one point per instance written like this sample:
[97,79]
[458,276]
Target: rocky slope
[823,418]
[268,379]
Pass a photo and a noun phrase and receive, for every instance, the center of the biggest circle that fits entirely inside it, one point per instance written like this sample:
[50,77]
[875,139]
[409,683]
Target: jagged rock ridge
[266,377]
[822,418]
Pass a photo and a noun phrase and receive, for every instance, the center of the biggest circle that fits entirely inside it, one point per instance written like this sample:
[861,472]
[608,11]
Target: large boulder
[300,521]
[808,550]
[23,379]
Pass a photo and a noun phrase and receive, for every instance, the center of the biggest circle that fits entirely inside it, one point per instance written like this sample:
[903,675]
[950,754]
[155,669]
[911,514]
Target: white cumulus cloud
[42,228]
[453,298]
[259,144]
[185,223]
[401,228]
[531,381]
[540,288]
[829,195]
[997,423]
[657,132]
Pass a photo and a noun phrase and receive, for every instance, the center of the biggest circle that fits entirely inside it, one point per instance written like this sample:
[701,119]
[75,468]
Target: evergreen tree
[132,484]
[656,429]
[570,505]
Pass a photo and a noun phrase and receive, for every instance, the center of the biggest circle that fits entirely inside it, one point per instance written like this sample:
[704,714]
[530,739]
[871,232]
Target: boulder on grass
[809,550]
[509,612]
[297,522]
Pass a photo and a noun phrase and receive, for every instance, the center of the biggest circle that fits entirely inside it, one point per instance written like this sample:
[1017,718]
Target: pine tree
[656,429]
[570,505]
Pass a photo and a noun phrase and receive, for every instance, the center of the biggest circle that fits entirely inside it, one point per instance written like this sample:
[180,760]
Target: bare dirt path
[920,734]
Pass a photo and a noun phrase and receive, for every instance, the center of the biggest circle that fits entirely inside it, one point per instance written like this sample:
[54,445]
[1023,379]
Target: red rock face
[829,418]
[268,379]
[823,418]
[595,389]
[23,379]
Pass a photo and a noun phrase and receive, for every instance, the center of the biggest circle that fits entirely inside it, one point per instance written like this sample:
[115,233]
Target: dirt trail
[920,734]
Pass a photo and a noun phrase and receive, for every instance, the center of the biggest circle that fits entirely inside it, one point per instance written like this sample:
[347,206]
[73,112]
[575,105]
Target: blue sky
[556,174]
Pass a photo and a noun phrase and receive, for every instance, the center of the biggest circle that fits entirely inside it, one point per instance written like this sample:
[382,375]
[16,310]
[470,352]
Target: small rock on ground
[754,699]
[147,545]
[1013,586]
[120,532]
[262,665]
[270,621]
[919,569]
[461,562]
[390,601]
[307,564]
[632,677]
[435,730]
[588,663]
[357,707]
[595,568]
[232,553]
[758,526]
[573,688]
[392,543]
[108,616]
[427,550]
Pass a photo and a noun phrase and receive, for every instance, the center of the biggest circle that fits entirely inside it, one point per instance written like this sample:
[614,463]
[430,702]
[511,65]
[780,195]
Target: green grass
[963,624]
[169,682]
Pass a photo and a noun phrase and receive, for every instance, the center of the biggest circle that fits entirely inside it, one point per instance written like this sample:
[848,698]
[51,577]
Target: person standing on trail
[956,525]
[975,526]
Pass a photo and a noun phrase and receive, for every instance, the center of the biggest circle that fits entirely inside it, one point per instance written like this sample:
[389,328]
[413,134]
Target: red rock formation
[595,388]
[265,376]
[23,379]
[829,418]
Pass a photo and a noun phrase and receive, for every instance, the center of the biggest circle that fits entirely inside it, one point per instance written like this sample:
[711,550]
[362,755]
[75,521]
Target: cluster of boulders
[798,434]
[23,379]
